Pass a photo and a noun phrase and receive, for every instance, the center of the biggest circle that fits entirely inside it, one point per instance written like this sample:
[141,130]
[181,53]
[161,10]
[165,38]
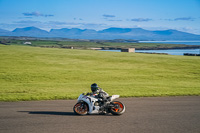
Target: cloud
[36,14]
[114,20]
[27,22]
[20,24]
[190,30]
[56,23]
[181,19]
[108,16]
[141,19]
[52,25]
[184,19]
[78,19]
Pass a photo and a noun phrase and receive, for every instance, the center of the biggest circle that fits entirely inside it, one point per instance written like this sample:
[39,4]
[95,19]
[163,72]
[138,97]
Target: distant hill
[30,31]
[5,32]
[106,34]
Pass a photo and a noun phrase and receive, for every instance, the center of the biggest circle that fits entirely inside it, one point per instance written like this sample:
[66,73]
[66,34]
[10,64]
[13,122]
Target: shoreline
[195,47]
[155,48]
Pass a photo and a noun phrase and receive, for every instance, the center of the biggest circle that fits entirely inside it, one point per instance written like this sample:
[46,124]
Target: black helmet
[94,88]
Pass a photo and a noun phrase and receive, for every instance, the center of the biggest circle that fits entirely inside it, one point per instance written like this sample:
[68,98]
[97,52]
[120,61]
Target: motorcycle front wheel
[81,108]
[118,108]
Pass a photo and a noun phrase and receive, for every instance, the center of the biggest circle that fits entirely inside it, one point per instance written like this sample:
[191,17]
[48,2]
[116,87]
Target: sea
[173,51]
[170,51]
[174,42]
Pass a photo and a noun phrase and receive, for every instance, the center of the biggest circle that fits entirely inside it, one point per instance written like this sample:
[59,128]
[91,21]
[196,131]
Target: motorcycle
[92,104]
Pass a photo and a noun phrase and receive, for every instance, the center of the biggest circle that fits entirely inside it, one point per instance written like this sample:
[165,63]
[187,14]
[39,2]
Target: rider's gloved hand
[88,93]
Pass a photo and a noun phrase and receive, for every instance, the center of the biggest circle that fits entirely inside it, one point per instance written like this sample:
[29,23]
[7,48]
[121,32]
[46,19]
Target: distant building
[96,48]
[29,43]
[130,50]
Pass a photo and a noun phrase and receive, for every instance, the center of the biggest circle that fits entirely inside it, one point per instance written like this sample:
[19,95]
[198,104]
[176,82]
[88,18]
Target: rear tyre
[118,108]
[81,108]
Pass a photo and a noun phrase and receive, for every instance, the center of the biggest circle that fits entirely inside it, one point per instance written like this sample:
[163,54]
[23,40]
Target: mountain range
[106,34]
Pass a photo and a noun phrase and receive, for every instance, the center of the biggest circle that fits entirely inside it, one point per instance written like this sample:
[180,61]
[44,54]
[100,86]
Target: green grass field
[33,73]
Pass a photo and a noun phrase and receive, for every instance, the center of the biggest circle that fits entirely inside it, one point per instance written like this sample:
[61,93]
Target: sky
[182,15]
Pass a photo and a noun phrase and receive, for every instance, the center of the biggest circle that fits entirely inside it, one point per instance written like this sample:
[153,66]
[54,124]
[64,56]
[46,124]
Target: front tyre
[118,108]
[81,108]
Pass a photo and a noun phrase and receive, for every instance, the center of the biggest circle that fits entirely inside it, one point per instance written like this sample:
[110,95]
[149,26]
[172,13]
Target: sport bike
[92,104]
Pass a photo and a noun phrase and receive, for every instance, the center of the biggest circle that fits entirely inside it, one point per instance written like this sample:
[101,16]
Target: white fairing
[90,100]
[114,97]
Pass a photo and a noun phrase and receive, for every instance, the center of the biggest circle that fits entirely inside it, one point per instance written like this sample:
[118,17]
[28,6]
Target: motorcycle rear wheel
[118,108]
[81,108]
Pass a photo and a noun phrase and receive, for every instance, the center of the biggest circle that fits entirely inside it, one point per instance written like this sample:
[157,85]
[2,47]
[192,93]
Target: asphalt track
[143,115]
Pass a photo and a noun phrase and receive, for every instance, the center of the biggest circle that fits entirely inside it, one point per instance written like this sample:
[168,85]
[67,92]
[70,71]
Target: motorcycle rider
[97,90]
[99,93]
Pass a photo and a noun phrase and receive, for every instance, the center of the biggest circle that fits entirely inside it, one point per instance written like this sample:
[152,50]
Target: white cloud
[108,16]
[141,19]
[36,14]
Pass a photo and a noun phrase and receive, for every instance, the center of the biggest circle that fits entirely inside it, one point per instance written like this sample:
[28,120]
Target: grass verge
[32,73]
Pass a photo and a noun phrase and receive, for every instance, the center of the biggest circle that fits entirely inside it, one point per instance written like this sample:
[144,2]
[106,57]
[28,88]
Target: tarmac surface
[143,115]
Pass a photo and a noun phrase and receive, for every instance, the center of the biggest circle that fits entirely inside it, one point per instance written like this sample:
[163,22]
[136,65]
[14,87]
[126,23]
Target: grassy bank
[32,73]
[80,44]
